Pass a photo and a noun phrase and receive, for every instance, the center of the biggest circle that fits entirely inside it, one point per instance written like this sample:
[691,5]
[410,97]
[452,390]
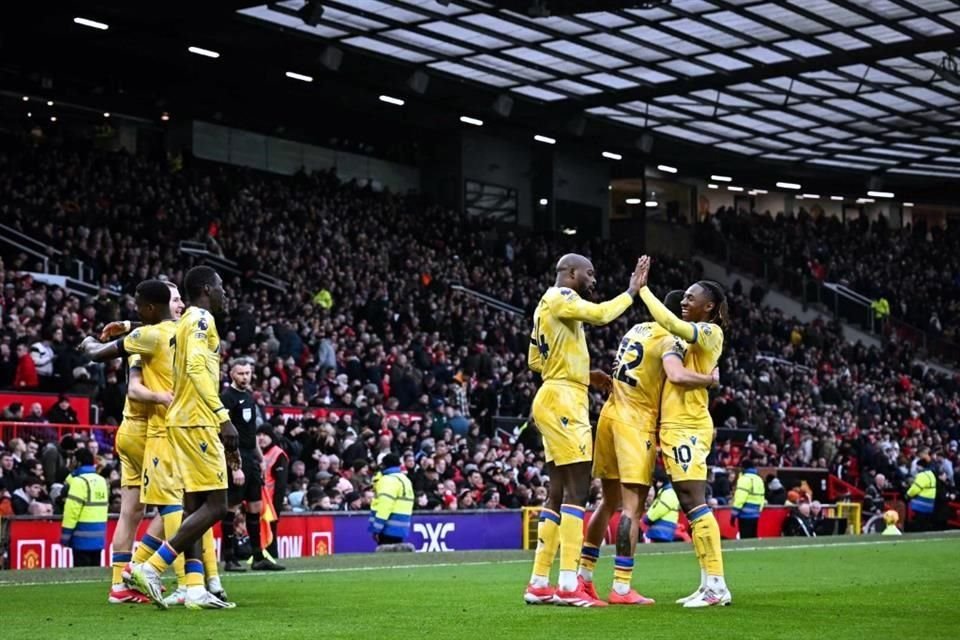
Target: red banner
[80,404]
[35,543]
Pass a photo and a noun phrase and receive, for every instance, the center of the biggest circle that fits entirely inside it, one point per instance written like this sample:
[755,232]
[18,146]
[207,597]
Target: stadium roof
[827,83]
[834,93]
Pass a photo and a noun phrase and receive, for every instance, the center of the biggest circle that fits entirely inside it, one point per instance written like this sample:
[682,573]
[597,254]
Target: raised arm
[666,319]
[572,307]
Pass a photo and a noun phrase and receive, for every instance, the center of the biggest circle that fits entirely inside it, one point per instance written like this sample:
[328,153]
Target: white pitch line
[480,563]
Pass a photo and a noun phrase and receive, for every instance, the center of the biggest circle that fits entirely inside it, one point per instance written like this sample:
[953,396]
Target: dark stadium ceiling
[833,93]
[830,83]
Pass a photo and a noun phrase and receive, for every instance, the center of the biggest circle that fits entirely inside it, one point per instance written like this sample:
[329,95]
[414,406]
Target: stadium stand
[377,350]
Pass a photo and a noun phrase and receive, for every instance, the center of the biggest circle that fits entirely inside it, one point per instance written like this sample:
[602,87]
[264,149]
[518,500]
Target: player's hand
[238,477]
[600,380]
[640,274]
[113,330]
[165,398]
[229,436]
[715,374]
[233,460]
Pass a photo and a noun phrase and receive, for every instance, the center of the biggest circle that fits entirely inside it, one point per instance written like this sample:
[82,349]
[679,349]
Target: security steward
[392,509]
[245,485]
[662,516]
[923,495]
[276,467]
[748,501]
[84,525]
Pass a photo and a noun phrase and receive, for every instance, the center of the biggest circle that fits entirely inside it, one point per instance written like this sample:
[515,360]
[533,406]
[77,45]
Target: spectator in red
[26,374]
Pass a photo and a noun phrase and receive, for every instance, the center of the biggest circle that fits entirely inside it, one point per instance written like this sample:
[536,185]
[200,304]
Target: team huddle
[174,443]
[657,393]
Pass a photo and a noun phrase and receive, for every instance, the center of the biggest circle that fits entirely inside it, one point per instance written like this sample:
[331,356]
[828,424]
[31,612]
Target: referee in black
[245,484]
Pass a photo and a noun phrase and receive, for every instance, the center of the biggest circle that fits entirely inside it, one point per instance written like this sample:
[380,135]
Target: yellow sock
[147,546]
[210,567]
[571,543]
[706,529]
[163,558]
[548,541]
[194,569]
[117,563]
[589,555]
[172,518]
[622,571]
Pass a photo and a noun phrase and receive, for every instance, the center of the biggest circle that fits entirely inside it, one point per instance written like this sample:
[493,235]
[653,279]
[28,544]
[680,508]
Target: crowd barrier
[34,543]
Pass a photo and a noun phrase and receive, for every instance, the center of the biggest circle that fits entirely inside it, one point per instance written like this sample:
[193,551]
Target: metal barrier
[199,250]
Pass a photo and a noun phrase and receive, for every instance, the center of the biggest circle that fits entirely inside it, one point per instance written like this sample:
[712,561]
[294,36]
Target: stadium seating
[371,323]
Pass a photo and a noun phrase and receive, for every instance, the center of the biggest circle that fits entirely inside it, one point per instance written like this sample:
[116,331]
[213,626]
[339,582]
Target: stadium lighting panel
[93,24]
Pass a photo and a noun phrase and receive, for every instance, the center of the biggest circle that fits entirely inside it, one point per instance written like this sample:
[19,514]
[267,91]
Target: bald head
[575,271]
[573,261]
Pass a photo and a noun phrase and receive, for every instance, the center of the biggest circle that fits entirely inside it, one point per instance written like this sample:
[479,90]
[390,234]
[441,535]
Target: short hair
[31,480]
[242,361]
[198,278]
[84,457]
[672,301]
[153,292]
[390,460]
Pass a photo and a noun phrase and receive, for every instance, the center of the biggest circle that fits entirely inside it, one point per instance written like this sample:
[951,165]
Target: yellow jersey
[152,344]
[682,407]
[558,345]
[638,376]
[135,412]
[196,372]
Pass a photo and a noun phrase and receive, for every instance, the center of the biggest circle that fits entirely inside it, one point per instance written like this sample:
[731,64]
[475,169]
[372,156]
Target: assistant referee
[246,484]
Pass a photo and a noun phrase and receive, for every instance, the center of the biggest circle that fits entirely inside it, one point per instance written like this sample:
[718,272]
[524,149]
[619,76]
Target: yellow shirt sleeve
[142,341]
[570,306]
[197,351]
[672,346]
[665,317]
[135,361]
[708,336]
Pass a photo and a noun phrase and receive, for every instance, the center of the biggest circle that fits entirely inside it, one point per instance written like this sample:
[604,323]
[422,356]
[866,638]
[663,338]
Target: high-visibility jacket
[923,492]
[392,508]
[84,526]
[891,530]
[748,500]
[661,518]
[881,308]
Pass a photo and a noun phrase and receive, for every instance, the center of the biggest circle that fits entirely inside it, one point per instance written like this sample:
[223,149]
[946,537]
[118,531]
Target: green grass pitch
[836,588]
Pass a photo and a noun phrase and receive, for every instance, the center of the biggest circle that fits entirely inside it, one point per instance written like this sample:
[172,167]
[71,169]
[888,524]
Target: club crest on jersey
[706,329]
[247,414]
[583,449]
[203,447]
[135,335]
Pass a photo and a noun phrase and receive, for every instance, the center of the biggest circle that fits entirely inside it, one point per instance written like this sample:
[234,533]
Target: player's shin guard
[147,547]
[210,567]
[172,518]
[548,541]
[589,555]
[571,542]
[118,561]
[253,530]
[706,530]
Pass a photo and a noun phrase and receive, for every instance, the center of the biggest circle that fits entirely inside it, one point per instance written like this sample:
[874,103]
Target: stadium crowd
[915,268]
[371,341]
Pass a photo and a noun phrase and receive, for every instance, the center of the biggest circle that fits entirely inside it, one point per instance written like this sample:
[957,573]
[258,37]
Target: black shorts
[250,491]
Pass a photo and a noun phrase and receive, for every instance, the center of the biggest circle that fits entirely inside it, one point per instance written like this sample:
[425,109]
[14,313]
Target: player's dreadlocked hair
[719,299]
